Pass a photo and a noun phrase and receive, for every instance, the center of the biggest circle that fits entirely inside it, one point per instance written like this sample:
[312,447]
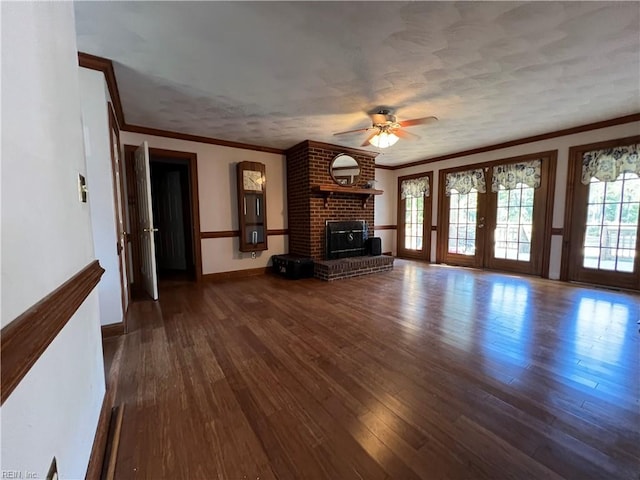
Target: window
[601,217]
[612,223]
[514,223]
[463,212]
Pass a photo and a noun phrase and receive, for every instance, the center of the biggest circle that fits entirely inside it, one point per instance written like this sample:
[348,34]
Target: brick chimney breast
[308,165]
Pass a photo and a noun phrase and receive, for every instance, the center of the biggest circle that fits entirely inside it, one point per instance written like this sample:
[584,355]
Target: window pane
[613,191]
[462,223]
[610,235]
[592,237]
[527,197]
[514,196]
[626,257]
[596,192]
[502,215]
[594,214]
[514,222]
[414,220]
[629,215]
[631,191]
[611,212]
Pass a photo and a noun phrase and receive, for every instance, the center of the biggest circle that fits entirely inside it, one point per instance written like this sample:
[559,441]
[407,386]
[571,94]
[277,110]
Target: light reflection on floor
[600,327]
[505,319]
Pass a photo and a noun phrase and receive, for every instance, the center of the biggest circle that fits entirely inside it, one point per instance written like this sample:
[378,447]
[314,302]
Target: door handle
[150,229]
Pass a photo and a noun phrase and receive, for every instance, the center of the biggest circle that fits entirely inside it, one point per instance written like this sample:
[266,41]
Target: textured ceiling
[277,73]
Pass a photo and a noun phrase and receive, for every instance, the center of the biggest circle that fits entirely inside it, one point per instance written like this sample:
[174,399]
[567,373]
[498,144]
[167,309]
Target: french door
[497,215]
[603,199]
[414,216]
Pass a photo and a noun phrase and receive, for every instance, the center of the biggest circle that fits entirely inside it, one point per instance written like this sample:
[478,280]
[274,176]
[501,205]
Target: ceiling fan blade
[366,142]
[354,131]
[418,121]
[406,135]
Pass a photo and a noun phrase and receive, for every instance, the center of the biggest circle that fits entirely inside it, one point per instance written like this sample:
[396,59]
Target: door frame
[425,254]
[570,234]
[192,165]
[120,206]
[549,156]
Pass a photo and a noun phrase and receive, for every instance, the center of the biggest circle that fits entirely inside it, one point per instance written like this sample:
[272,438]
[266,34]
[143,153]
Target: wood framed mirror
[345,170]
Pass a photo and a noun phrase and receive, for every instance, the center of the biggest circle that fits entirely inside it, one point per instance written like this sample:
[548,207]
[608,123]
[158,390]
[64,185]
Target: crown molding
[634,117]
[199,139]
[105,66]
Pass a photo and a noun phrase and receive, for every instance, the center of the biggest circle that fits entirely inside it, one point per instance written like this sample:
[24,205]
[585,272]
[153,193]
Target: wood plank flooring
[425,372]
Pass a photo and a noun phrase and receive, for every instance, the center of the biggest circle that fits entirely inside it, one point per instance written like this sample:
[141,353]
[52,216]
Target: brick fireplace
[308,166]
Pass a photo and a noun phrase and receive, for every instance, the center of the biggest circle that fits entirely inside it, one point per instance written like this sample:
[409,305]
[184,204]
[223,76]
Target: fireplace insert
[345,238]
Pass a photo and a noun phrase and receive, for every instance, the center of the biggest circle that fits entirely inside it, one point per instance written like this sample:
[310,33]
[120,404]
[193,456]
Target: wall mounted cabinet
[252,206]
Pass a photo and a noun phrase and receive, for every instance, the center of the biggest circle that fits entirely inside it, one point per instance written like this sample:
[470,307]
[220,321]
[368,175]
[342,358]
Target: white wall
[95,119]
[561,144]
[218,199]
[385,208]
[46,239]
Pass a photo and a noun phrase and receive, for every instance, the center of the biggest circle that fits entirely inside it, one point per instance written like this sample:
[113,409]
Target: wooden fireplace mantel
[328,190]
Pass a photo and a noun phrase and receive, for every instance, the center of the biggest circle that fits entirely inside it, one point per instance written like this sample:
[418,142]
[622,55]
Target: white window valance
[511,174]
[464,182]
[606,165]
[415,188]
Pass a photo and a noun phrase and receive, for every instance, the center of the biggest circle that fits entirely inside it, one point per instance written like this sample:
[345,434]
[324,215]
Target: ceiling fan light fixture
[384,139]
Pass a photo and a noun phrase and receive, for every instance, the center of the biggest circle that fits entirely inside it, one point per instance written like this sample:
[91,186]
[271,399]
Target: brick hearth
[351,267]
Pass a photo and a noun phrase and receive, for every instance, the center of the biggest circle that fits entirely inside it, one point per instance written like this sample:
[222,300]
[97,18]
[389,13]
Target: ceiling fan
[386,130]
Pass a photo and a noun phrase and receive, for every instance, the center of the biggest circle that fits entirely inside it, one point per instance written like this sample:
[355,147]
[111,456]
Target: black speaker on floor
[374,246]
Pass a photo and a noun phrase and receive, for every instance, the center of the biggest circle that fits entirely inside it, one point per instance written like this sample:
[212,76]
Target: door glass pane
[414,220]
[462,223]
[514,223]
[612,224]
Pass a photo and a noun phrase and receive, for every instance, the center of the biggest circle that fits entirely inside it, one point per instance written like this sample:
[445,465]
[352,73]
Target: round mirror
[345,170]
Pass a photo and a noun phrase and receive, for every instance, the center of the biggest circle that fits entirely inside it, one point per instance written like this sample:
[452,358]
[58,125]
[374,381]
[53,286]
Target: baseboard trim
[113,330]
[101,441]
[24,339]
[221,276]
[113,443]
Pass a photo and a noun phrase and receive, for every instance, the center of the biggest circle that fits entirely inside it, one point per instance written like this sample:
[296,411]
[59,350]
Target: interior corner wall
[386,209]
[218,200]
[46,239]
[97,143]
[298,206]
[562,144]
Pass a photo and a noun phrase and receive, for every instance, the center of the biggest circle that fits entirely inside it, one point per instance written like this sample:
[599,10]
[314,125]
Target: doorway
[175,205]
[497,215]
[601,217]
[172,217]
[414,216]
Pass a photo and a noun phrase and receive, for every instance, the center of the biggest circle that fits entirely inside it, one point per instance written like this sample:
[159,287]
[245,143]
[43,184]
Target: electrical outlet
[253,255]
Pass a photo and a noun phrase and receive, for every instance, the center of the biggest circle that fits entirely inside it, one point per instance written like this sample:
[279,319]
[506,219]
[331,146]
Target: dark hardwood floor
[424,372]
